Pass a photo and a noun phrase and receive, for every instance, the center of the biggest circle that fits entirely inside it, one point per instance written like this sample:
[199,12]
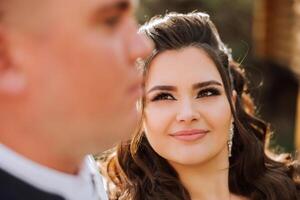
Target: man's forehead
[27,9]
[102,4]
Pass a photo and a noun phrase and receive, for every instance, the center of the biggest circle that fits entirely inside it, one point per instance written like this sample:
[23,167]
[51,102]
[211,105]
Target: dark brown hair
[137,172]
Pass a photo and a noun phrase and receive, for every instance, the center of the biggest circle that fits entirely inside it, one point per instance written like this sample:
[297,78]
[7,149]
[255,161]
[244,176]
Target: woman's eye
[163,96]
[208,92]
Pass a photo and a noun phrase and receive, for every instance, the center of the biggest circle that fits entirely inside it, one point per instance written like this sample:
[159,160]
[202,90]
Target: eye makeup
[206,89]
[163,96]
[209,92]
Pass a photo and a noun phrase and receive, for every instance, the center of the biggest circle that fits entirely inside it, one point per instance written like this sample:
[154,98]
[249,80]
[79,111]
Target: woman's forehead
[190,64]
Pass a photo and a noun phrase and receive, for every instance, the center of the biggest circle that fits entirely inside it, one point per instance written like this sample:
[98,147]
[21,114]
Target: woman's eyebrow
[162,87]
[195,86]
[206,83]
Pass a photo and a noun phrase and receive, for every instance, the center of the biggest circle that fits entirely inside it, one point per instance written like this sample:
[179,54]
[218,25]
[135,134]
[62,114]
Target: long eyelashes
[207,92]
[163,96]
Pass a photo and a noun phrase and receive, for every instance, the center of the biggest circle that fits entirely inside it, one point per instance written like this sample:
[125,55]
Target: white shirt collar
[71,187]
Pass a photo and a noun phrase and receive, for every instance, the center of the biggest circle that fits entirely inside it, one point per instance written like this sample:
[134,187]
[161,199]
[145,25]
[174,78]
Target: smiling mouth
[189,135]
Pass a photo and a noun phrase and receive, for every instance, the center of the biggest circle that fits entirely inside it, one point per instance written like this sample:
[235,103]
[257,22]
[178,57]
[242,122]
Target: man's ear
[12,80]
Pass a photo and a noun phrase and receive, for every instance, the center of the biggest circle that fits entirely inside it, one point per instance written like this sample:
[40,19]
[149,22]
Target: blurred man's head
[67,74]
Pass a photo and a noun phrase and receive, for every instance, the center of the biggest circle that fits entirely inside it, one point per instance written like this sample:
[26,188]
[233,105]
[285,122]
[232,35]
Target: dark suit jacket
[12,188]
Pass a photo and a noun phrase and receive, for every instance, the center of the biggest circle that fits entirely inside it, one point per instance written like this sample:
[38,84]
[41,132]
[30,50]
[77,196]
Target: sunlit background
[264,36]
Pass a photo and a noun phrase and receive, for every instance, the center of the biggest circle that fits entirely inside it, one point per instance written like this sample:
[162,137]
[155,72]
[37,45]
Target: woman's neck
[206,181]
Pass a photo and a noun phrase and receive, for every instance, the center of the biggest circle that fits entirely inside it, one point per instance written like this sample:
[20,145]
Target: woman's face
[187,114]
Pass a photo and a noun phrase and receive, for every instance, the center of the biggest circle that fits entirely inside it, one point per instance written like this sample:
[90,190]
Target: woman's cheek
[217,110]
[158,119]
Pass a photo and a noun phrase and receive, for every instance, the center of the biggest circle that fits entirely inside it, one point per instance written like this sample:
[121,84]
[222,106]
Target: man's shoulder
[13,188]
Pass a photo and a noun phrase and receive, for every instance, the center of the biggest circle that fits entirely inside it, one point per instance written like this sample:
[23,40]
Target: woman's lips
[189,135]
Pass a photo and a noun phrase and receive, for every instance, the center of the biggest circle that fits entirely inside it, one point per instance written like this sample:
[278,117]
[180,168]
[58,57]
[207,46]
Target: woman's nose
[187,113]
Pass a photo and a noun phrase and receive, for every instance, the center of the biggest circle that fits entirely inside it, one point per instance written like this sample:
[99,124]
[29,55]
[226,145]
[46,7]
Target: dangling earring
[231,133]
